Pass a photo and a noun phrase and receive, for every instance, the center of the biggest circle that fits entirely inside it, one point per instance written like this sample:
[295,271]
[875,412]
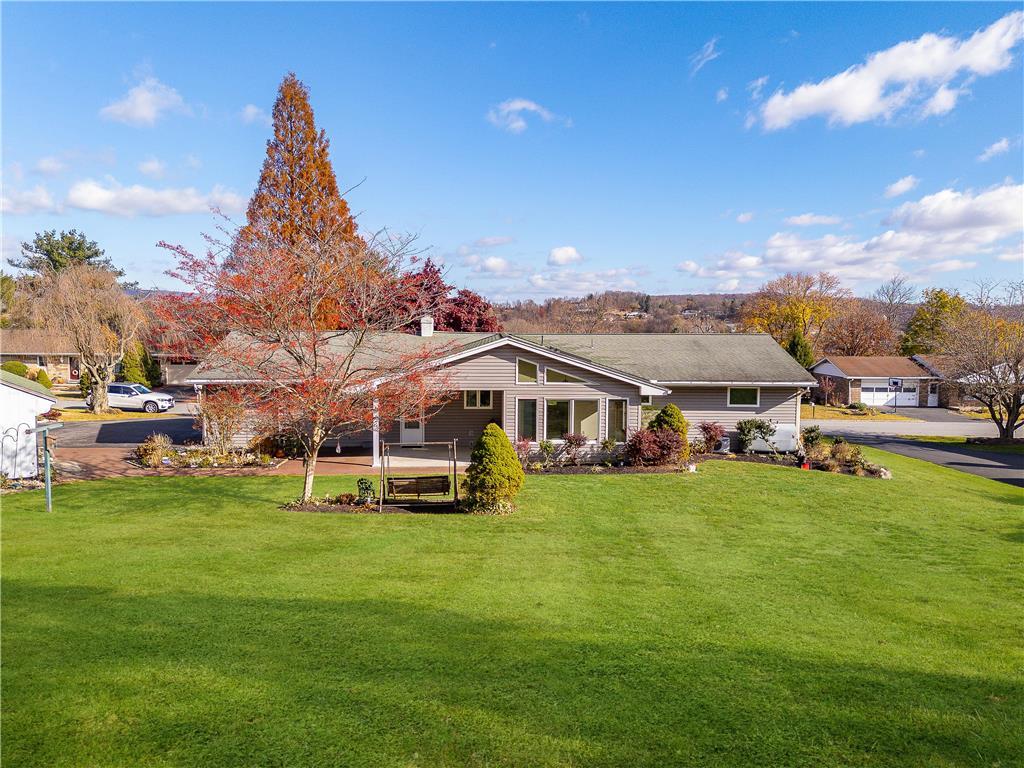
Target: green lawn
[748,615]
[961,442]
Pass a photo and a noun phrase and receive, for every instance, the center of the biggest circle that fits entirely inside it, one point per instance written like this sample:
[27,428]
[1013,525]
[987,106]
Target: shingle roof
[880,366]
[34,341]
[940,365]
[25,385]
[684,358]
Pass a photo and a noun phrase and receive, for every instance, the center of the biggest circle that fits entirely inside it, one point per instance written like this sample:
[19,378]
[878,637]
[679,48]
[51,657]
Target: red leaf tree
[257,311]
[464,311]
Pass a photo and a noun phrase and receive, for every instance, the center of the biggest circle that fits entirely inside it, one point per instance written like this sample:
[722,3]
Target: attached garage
[876,392]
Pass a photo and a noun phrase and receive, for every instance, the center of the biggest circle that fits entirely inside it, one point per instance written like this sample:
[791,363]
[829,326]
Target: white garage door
[876,392]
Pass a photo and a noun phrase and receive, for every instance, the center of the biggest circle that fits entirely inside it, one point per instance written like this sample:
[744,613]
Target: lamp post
[45,431]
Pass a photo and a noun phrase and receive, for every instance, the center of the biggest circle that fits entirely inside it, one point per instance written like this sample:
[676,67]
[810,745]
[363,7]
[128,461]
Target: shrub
[364,486]
[42,377]
[85,384]
[699,447]
[609,447]
[858,406]
[345,498]
[547,451]
[818,453]
[495,475]
[133,370]
[846,453]
[523,451]
[712,432]
[653,446]
[670,417]
[16,367]
[750,430]
[221,414]
[153,449]
[811,436]
[574,444]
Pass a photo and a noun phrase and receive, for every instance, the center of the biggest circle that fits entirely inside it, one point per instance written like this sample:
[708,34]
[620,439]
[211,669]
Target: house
[38,348]
[941,367]
[866,379]
[21,403]
[541,386]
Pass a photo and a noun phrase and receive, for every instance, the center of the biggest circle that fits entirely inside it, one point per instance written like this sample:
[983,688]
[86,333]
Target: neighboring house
[175,369]
[38,348]
[541,386]
[949,393]
[21,403]
[865,379]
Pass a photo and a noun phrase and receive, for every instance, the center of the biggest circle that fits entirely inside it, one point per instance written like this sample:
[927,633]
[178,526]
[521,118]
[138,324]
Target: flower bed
[157,452]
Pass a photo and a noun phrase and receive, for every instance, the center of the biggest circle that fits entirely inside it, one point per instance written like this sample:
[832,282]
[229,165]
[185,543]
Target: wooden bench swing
[399,491]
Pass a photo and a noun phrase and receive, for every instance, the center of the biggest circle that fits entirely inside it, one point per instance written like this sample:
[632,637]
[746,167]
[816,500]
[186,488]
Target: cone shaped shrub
[42,377]
[495,474]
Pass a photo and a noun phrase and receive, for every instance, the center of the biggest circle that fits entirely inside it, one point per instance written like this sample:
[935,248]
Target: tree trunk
[100,399]
[307,485]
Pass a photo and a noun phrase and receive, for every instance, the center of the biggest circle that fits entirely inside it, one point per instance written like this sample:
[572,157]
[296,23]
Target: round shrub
[16,367]
[670,417]
[43,378]
[647,447]
[495,475]
[85,384]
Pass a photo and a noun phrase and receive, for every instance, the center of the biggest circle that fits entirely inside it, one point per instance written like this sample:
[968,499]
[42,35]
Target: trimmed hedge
[495,474]
[43,378]
[16,367]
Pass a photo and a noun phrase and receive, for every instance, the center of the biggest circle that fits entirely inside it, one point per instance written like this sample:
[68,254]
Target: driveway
[126,433]
[1004,467]
[935,422]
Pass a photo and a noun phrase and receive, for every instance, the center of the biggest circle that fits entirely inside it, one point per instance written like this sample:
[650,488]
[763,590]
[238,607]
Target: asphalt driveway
[995,465]
[126,433]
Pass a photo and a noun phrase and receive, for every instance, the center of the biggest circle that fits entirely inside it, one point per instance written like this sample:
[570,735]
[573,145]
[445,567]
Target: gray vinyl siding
[778,404]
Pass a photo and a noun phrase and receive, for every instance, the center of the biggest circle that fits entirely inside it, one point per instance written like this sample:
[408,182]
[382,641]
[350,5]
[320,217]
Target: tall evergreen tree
[297,196]
[800,348]
[50,251]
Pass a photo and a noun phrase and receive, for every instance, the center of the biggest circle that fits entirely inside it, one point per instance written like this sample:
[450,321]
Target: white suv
[136,397]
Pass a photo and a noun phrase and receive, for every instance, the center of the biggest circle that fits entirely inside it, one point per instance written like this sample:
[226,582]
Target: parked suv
[135,397]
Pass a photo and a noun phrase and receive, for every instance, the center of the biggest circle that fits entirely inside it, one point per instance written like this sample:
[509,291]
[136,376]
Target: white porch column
[376,433]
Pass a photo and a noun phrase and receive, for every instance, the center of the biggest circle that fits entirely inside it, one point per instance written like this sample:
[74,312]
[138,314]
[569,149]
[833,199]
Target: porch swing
[409,491]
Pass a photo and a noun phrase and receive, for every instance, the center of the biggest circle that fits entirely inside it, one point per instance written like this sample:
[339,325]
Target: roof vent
[426,326]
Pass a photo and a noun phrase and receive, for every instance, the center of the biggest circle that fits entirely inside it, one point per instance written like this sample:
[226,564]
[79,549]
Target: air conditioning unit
[722,446]
[785,439]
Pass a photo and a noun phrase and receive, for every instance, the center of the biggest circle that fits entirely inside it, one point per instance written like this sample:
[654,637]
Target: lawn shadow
[222,680]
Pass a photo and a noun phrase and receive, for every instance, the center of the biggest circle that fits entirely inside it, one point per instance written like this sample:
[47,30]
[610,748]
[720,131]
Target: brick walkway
[96,463]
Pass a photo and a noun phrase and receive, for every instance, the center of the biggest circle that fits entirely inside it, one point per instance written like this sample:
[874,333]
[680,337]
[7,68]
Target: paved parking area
[126,433]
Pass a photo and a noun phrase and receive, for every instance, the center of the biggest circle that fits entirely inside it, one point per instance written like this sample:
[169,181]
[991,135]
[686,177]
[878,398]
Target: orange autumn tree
[796,303]
[297,195]
[257,310]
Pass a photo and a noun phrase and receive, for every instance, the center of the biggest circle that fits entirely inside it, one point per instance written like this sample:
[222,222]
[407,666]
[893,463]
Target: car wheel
[150,407]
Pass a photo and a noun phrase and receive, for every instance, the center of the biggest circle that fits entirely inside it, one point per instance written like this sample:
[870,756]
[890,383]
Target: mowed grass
[961,442]
[748,615]
[833,413]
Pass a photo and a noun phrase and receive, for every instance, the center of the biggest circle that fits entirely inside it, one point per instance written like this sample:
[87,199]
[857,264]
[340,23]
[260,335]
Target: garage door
[876,392]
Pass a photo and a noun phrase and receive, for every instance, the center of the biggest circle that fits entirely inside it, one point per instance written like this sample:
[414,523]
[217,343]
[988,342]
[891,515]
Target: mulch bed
[372,509]
[996,440]
[600,469]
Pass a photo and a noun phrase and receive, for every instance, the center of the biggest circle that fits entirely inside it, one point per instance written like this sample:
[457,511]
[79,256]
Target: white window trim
[572,417]
[547,368]
[536,419]
[527,383]
[607,420]
[477,407]
[646,400]
[730,404]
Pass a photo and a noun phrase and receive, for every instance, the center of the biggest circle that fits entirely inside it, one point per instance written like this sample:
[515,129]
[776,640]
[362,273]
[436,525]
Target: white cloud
[757,86]
[998,148]
[746,217]
[493,241]
[564,254]
[812,219]
[152,167]
[252,114]
[901,186]
[50,166]
[728,285]
[708,52]
[947,231]
[510,115]
[145,103]
[136,200]
[22,202]
[916,74]
[490,266]
[721,95]
[193,162]
[919,153]
[572,282]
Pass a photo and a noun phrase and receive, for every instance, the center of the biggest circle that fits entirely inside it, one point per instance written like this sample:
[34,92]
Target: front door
[411,430]
[933,394]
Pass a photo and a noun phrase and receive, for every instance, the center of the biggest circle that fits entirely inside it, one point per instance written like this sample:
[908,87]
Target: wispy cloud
[50,166]
[721,95]
[252,114]
[901,186]
[510,115]
[116,199]
[152,167]
[992,150]
[563,255]
[145,103]
[708,52]
[27,201]
[927,75]
[812,219]
[746,217]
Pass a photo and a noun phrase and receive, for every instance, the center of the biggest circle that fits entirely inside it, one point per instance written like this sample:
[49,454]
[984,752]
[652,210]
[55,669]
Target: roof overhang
[28,391]
[739,383]
[645,386]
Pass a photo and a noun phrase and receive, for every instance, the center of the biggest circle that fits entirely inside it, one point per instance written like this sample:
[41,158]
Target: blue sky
[542,149]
